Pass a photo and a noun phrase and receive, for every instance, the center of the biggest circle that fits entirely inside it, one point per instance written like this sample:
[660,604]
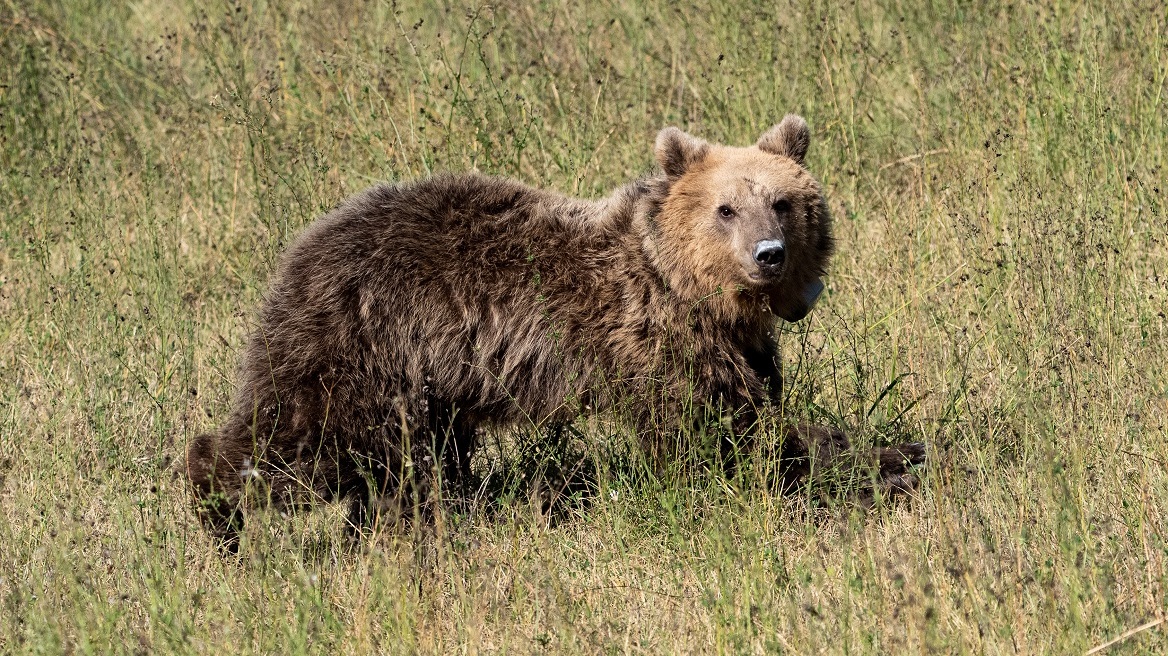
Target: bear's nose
[770,253]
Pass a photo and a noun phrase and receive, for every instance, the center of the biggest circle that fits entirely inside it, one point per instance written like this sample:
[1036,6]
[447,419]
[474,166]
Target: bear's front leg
[818,452]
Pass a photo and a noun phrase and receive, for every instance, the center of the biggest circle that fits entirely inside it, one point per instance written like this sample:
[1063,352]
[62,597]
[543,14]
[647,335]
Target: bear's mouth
[795,309]
[765,275]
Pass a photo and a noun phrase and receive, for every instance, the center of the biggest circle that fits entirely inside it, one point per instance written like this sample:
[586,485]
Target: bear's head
[742,225]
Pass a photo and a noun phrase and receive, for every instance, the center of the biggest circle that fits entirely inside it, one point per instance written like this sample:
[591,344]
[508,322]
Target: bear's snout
[770,254]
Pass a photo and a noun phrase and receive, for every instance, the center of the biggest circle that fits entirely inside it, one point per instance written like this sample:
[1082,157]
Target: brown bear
[413,314]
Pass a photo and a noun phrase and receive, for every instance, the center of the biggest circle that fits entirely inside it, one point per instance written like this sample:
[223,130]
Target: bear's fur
[415,313]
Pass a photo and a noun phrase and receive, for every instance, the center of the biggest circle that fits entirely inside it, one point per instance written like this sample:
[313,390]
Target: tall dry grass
[998,176]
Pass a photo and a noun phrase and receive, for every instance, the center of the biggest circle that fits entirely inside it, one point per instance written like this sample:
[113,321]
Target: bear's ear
[790,138]
[676,151]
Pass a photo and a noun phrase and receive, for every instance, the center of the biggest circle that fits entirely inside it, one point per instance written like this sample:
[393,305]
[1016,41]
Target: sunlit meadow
[998,174]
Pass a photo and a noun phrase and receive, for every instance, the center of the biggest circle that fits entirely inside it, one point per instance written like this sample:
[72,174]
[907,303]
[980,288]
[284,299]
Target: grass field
[999,178]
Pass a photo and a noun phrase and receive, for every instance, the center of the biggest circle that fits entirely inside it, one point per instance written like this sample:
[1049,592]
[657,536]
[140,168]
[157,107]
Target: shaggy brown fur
[414,314]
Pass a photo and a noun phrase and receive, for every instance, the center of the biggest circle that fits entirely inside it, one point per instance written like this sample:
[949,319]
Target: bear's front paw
[899,458]
[898,471]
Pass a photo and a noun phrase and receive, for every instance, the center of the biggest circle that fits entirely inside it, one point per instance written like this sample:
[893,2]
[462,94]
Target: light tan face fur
[727,203]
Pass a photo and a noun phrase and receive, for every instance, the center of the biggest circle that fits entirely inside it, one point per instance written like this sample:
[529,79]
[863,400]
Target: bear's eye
[726,212]
[782,206]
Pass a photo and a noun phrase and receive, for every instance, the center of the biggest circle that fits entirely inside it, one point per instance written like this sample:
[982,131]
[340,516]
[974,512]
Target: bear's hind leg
[372,492]
[454,438]
[457,452]
[217,490]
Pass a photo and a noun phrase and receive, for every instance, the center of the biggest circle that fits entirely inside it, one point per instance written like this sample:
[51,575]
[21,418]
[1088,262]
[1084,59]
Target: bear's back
[482,290]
